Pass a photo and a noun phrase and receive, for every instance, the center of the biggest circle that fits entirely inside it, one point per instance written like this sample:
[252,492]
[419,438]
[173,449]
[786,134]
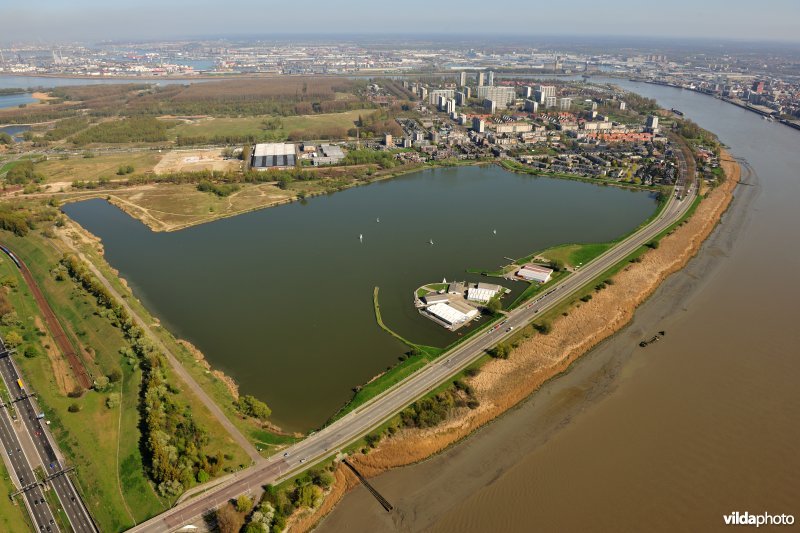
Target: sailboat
[360,237]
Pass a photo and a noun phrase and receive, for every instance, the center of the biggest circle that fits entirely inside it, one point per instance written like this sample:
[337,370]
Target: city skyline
[91,20]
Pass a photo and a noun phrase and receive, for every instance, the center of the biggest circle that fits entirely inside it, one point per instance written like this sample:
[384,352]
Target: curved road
[329,440]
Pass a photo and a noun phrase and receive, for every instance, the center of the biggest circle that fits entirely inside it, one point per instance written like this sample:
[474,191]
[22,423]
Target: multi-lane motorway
[30,426]
[327,441]
[24,476]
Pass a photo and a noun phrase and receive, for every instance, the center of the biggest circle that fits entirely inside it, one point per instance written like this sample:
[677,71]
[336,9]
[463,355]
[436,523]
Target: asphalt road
[23,474]
[52,463]
[327,441]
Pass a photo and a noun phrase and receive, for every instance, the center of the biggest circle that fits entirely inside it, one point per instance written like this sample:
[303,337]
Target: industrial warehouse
[455,304]
[273,155]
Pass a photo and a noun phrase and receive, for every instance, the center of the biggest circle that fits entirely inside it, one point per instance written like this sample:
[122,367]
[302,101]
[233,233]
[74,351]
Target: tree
[252,406]
[244,504]
[101,383]
[73,408]
[13,338]
[115,375]
[494,306]
[228,520]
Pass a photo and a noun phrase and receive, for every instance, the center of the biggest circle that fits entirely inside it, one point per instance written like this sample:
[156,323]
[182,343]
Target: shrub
[73,408]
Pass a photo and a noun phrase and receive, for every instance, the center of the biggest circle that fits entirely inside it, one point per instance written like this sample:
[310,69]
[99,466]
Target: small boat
[494,231]
[431,241]
[361,237]
[378,220]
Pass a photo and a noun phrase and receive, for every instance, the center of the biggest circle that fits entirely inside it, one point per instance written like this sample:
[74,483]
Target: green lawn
[13,518]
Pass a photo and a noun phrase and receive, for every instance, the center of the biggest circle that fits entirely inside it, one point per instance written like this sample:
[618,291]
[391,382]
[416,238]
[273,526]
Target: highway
[60,482]
[23,475]
[329,440]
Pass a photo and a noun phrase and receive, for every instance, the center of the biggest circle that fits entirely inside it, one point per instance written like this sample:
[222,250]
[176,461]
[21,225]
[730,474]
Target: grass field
[101,442]
[99,166]
[13,518]
[254,126]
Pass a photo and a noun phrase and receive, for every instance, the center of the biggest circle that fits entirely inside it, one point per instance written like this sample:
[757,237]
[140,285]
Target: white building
[538,273]
[450,315]
[565,104]
[434,95]
[480,295]
[502,95]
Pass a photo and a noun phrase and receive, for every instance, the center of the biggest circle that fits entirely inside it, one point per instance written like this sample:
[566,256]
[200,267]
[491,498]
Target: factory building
[328,155]
[273,155]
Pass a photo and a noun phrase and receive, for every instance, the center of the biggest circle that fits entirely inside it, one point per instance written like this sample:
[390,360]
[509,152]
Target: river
[669,438]
[281,299]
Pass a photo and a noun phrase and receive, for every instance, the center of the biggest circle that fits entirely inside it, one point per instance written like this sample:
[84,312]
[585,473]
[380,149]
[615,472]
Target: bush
[31,351]
[543,327]
[73,408]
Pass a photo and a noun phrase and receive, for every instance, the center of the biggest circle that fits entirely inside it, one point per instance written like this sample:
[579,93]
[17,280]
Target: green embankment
[418,357]
[13,515]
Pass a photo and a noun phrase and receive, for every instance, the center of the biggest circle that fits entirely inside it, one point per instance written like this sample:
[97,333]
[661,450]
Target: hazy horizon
[773,21]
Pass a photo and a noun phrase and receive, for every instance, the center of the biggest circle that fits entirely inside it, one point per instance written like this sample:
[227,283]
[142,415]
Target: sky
[94,20]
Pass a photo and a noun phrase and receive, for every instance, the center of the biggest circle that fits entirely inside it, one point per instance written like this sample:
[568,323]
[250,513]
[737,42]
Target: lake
[15,100]
[281,299]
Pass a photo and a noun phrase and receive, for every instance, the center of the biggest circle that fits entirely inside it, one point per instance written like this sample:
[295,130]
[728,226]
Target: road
[330,439]
[23,475]
[53,464]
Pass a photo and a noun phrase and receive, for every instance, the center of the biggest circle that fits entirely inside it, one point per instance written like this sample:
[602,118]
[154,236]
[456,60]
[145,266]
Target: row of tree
[172,444]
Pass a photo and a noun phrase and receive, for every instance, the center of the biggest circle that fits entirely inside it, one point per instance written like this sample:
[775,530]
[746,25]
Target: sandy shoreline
[502,384]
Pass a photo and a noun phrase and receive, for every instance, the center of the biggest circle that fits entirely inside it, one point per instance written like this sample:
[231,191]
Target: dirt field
[502,384]
[172,207]
[194,161]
